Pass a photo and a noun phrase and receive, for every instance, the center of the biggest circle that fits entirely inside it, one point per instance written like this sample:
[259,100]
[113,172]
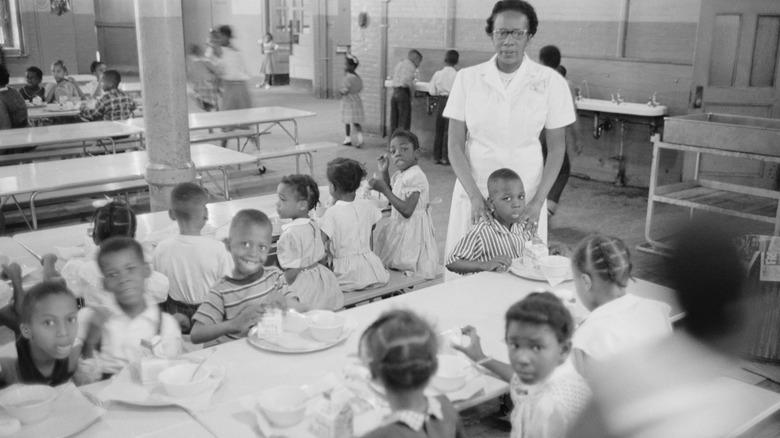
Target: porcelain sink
[418,86]
[627,108]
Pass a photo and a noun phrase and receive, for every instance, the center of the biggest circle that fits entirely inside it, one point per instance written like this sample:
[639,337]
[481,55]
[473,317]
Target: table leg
[310,159]
[620,179]
[225,182]
[18,207]
[33,214]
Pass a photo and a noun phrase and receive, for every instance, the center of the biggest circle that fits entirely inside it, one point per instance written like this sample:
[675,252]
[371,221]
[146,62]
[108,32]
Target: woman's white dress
[503,124]
[409,244]
[300,246]
[348,226]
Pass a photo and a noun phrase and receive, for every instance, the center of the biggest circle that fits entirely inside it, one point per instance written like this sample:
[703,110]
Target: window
[10,27]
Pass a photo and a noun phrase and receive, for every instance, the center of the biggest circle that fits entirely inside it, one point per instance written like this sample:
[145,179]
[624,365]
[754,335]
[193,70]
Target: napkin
[71,413]
[123,388]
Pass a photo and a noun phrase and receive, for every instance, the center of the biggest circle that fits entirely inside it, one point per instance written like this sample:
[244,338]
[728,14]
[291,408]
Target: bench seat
[398,283]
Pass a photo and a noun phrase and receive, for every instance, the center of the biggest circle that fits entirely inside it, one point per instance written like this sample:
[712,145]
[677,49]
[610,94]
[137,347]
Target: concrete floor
[586,207]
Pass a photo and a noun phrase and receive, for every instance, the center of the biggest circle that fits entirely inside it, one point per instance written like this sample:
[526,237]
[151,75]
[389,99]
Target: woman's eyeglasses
[502,34]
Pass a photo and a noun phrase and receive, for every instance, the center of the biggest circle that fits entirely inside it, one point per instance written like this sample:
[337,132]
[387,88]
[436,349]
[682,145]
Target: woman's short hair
[521,6]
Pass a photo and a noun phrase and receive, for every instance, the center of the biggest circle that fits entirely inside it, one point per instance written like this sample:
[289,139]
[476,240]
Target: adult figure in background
[404,77]
[13,109]
[550,56]
[439,88]
[504,103]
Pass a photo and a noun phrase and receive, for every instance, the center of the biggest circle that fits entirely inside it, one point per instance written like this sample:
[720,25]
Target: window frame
[18,48]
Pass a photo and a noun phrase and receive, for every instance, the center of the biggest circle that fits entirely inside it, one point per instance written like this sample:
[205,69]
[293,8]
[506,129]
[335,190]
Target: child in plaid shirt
[113,104]
[495,241]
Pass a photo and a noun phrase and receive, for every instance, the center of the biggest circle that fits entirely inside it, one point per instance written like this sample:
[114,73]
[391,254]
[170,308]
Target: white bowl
[295,322]
[28,403]
[284,406]
[555,266]
[178,380]
[451,374]
[325,326]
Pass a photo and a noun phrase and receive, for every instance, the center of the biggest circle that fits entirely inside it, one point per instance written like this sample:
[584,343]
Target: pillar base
[162,179]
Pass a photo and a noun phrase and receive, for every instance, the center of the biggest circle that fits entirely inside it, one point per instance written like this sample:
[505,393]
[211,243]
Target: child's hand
[12,270]
[474,349]
[498,264]
[383,163]
[378,184]
[247,318]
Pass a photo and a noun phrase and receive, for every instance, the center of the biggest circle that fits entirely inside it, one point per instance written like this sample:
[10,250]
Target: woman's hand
[479,209]
[530,216]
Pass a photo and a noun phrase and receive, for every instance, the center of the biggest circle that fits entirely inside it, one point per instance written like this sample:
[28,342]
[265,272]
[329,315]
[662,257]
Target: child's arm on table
[498,264]
[240,325]
[475,353]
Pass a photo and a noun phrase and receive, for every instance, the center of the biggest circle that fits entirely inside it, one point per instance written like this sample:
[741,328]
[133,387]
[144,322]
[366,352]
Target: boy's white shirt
[121,335]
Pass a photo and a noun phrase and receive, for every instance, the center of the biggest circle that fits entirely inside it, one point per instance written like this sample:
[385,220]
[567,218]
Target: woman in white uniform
[497,110]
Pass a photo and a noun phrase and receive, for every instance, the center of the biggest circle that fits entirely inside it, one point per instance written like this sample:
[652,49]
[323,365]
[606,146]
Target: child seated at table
[113,104]
[114,338]
[33,88]
[347,229]
[601,267]
[546,390]
[82,273]
[238,301]
[405,241]
[13,109]
[93,89]
[47,351]
[193,263]
[495,241]
[300,248]
[400,351]
[64,86]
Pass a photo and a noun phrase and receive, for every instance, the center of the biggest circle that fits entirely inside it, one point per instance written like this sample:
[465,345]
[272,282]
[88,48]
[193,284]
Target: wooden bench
[298,150]
[399,283]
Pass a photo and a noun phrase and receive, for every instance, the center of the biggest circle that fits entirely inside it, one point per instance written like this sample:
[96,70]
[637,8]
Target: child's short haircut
[250,216]
[185,197]
[113,219]
[604,256]
[116,244]
[5,77]
[305,187]
[113,75]
[401,349]
[408,135]
[708,277]
[414,52]
[451,57]
[225,30]
[502,174]
[345,174]
[195,50]
[61,64]
[38,293]
[36,71]
[94,66]
[550,56]
[543,308]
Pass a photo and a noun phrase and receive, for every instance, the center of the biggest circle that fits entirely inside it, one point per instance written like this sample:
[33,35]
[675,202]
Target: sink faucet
[578,97]
[618,99]
[652,101]
[586,88]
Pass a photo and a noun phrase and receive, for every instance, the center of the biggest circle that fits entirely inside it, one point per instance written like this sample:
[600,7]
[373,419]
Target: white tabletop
[239,117]
[51,111]
[67,133]
[19,81]
[86,171]
[155,225]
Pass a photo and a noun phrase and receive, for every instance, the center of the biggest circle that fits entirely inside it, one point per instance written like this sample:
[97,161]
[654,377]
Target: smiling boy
[494,242]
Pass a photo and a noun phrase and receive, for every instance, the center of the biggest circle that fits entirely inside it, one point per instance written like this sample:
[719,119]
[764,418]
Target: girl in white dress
[618,320]
[347,226]
[547,392]
[300,248]
[405,241]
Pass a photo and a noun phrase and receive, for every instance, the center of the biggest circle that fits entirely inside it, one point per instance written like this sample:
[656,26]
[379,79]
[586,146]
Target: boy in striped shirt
[494,242]
[238,302]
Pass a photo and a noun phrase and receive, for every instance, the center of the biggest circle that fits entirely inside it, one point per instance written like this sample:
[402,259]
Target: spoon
[200,365]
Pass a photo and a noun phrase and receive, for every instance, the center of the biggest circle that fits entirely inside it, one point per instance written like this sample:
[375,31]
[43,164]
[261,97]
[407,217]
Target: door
[736,71]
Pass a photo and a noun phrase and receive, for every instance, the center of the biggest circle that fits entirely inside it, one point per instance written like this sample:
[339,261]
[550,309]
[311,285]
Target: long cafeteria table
[67,133]
[47,176]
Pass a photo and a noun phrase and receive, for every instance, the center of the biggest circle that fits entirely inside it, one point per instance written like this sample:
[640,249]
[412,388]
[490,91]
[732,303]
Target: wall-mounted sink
[626,108]
[418,86]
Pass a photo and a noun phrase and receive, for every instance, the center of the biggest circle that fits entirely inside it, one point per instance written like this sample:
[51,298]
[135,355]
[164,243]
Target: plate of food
[551,268]
[296,332]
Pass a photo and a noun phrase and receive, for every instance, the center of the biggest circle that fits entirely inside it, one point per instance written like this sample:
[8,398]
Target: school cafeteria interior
[668,116]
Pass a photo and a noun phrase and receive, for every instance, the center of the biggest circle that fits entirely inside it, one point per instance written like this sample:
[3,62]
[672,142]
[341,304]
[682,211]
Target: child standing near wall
[268,48]
[351,104]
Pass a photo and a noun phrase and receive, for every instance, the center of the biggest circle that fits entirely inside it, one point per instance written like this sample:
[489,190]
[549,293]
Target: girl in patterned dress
[405,241]
[300,248]
[351,104]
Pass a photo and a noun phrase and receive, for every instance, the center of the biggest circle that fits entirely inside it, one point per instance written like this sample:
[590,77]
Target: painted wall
[655,56]
[47,37]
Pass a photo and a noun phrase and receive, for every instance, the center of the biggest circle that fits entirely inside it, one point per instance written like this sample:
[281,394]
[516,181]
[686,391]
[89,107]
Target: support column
[160,35]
